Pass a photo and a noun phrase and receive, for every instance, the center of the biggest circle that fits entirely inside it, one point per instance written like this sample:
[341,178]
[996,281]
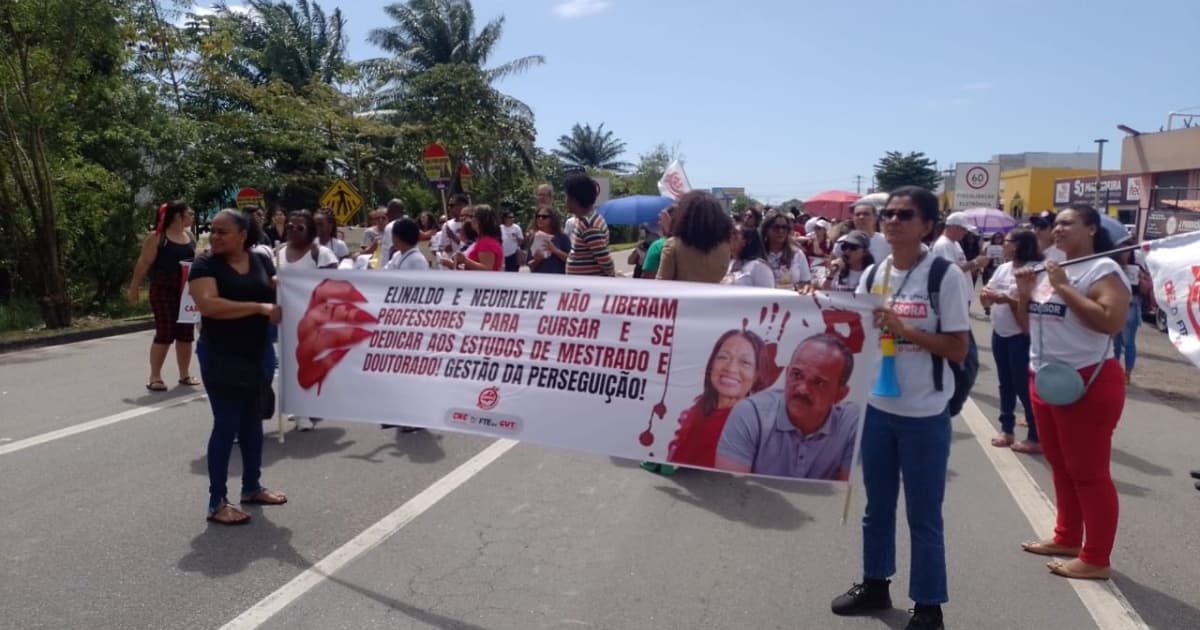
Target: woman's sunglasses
[543,216]
[903,215]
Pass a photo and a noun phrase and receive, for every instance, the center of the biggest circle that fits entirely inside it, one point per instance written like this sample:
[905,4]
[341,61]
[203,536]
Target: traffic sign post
[248,197]
[436,163]
[464,178]
[976,185]
[343,199]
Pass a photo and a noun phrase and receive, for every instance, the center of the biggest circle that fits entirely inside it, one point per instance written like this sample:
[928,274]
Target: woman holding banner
[1072,312]
[906,432]
[736,369]
[1010,341]
[234,290]
[162,252]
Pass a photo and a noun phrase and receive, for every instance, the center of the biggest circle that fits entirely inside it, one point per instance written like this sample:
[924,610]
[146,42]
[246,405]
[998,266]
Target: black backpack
[966,372]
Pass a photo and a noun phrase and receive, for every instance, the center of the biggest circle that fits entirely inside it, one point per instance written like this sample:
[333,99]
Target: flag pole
[1105,254]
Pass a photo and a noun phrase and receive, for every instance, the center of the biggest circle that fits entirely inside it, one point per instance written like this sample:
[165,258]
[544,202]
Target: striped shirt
[589,248]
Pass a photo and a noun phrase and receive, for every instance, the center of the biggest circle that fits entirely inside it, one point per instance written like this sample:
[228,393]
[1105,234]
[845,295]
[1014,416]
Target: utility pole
[858,184]
[1099,172]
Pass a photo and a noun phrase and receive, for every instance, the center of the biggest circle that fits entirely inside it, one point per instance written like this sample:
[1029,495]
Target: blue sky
[789,98]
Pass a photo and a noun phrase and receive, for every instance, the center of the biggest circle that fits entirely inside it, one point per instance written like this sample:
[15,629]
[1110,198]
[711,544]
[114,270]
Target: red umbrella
[831,204]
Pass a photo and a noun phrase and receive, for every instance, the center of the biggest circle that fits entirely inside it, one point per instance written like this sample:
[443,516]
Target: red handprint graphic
[321,347]
[772,345]
[856,337]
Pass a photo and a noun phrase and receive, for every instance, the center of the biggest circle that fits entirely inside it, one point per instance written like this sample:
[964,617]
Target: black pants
[512,263]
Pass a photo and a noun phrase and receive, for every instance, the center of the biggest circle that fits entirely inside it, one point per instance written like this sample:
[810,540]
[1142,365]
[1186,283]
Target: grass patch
[21,320]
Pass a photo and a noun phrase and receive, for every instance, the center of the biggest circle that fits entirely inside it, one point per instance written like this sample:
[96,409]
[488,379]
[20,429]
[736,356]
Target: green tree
[429,33]
[293,42]
[591,148]
[743,203]
[896,169]
[787,206]
[54,55]
[643,179]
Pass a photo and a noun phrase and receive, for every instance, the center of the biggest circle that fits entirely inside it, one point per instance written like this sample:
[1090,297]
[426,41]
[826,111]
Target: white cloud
[959,101]
[580,8]
[202,10]
[977,86]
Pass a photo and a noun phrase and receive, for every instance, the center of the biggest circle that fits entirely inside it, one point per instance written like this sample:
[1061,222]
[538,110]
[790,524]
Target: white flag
[674,182]
[1175,266]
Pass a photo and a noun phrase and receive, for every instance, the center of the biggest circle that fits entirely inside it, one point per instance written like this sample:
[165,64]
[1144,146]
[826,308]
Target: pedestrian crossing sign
[343,199]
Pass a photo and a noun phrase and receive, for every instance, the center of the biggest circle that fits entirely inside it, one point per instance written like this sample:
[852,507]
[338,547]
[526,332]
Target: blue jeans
[1012,366]
[1125,342]
[234,417]
[917,449]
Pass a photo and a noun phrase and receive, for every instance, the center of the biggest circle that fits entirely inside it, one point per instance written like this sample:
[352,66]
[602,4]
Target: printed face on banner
[746,380]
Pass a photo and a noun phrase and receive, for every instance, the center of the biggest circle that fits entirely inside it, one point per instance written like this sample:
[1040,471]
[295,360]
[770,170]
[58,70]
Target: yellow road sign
[343,199]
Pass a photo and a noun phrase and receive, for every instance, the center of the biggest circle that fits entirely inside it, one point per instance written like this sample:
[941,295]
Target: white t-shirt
[511,238]
[338,247]
[569,227]
[385,242]
[455,227]
[849,284]
[370,236]
[950,250]
[411,260]
[325,258]
[914,365]
[1065,337]
[798,273]
[1054,254]
[750,273]
[879,247]
[1003,321]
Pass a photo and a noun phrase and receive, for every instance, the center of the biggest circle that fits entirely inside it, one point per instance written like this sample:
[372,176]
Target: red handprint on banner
[329,328]
[855,337]
[772,345]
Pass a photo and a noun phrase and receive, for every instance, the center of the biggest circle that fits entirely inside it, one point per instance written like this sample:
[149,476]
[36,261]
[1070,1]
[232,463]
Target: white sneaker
[303,424]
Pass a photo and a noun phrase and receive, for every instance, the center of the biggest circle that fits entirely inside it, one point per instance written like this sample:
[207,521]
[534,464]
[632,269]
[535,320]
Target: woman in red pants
[1072,312]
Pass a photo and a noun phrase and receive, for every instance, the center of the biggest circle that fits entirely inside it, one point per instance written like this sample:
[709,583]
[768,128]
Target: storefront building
[1120,195]
[1168,163]
[1029,191]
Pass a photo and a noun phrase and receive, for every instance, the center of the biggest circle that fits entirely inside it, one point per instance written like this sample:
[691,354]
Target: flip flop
[1004,440]
[156,386]
[1027,447]
[1049,548]
[191,381]
[1061,569]
[226,514]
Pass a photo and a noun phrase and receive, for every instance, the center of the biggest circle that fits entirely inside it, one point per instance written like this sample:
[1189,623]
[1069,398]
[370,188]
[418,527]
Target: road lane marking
[1102,599]
[76,429]
[370,538]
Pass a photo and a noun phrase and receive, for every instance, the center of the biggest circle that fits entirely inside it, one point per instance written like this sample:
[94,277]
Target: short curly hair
[700,221]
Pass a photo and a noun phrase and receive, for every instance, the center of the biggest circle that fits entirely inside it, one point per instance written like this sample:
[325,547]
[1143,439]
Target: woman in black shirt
[162,250]
[234,290]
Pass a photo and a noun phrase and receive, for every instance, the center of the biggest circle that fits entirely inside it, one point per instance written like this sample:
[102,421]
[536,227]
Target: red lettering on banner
[440,342]
[624,336]
[500,322]
[495,347]
[911,310]
[648,307]
[663,335]
[664,362]
[576,301]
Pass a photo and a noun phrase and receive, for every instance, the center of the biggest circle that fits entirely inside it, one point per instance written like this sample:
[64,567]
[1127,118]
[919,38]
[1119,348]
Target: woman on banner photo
[906,432]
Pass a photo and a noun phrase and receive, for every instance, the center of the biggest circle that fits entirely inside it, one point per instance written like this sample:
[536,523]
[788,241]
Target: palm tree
[591,148]
[291,42]
[428,33]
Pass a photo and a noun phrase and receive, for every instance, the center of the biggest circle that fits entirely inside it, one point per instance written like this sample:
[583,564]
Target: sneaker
[303,424]
[926,618]
[870,596]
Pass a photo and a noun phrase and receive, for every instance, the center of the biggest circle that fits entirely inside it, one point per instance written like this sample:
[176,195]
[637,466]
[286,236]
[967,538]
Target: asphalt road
[105,528]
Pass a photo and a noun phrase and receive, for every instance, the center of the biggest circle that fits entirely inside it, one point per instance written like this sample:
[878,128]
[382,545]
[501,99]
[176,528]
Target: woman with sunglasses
[548,246]
[846,270]
[789,265]
[486,253]
[1010,343]
[1072,314]
[906,439]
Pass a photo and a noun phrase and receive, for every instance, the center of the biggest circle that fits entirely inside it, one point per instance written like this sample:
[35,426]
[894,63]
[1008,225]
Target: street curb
[77,335]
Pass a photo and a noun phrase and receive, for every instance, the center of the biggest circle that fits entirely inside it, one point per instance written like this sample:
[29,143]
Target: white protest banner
[698,375]
[674,182]
[1175,266]
[188,313]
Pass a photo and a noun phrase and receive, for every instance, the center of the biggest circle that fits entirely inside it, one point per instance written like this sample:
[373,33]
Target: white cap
[815,223]
[959,219]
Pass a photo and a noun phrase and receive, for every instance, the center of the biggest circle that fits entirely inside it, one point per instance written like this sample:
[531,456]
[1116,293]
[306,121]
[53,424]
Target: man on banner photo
[804,430]
[674,181]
